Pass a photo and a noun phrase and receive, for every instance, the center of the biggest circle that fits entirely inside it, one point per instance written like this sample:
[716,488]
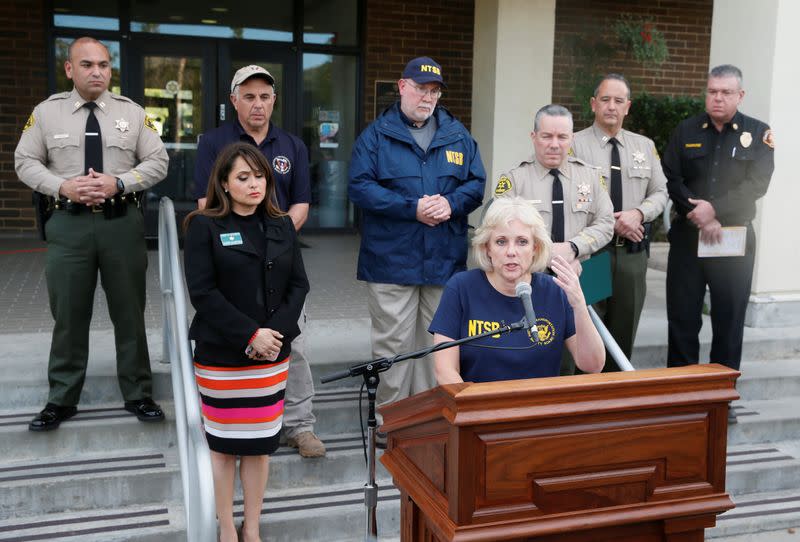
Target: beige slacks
[400,318]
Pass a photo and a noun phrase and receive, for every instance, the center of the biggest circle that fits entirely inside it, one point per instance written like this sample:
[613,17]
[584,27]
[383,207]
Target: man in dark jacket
[717,165]
[415,174]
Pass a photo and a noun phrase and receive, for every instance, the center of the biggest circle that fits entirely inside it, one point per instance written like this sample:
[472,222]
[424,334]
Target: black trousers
[729,280]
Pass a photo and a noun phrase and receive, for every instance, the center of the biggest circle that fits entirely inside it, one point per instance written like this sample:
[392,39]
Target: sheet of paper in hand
[734,242]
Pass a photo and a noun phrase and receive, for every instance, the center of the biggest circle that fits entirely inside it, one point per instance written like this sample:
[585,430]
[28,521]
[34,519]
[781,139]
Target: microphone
[523,291]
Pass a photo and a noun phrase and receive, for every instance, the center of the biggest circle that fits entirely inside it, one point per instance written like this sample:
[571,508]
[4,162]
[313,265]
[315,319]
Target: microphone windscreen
[523,288]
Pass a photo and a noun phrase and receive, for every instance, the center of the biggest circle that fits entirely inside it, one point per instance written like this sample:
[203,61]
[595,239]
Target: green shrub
[657,116]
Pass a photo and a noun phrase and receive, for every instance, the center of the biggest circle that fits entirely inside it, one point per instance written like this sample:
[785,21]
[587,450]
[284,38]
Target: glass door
[175,83]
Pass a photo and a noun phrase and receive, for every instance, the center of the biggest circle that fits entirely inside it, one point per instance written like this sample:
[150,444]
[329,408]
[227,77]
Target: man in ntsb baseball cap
[424,70]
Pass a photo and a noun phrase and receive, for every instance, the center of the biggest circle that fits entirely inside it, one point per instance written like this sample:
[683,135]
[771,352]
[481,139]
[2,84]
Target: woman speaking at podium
[511,246]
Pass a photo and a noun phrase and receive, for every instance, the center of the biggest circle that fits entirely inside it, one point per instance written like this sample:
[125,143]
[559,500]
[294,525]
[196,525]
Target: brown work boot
[308,444]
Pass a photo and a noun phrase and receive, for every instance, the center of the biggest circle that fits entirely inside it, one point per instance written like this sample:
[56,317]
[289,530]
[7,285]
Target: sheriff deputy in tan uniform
[580,217]
[638,188]
[90,153]
[568,193]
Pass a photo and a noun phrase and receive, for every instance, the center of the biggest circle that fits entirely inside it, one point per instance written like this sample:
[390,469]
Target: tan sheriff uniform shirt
[644,185]
[588,212]
[51,149]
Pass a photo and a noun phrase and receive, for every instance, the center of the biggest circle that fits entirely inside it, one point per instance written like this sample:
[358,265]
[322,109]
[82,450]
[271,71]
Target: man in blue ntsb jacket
[416,174]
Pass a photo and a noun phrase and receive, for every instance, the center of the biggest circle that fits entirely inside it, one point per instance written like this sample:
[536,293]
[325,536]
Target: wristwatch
[574,248]
[120,187]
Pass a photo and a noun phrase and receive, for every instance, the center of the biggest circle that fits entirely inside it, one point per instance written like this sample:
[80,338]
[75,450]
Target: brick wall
[685,24]
[23,84]
[399,30]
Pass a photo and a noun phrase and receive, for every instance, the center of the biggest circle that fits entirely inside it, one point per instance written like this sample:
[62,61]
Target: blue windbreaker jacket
[389,172]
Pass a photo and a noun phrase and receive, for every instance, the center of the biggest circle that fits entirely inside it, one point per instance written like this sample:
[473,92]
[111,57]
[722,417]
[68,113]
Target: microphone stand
[369,371]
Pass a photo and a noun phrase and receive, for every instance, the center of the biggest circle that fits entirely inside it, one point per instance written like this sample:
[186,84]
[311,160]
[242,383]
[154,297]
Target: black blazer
[234,292]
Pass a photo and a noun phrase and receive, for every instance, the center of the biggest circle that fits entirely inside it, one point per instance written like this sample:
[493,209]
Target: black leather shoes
[51,417]
[145,409]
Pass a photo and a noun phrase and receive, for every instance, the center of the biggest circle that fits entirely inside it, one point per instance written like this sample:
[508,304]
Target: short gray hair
[501,212]
[726,70]
[612,77]
[552,110]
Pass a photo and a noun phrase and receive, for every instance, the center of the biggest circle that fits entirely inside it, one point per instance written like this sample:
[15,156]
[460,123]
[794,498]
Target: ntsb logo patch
[281,165]
[546,329]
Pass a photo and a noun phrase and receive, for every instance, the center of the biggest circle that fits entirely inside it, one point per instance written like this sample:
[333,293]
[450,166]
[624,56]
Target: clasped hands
[705,218]
[266,345]
[433,210]
[91,189]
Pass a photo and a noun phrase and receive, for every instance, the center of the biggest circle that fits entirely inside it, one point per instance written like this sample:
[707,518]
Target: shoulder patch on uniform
[503,185]
[571,152]
[148,123]
[30,122]
[769,139]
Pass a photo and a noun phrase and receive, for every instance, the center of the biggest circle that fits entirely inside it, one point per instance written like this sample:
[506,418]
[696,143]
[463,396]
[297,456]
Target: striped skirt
[242,406]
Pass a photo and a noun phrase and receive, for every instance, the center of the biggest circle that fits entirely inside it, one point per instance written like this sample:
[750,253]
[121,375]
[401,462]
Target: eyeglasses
[727,93]
[434,93]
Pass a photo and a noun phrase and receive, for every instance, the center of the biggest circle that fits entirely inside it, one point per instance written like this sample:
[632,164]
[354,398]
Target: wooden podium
[624,457]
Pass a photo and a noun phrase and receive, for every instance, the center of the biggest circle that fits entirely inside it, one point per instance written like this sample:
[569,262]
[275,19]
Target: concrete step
[772,379]
[336,410]
[30,390]
[91,430]
[758,513]
[782,535]
[155,522]
[762,467]
[344,463]
[330,513]
[47,486]
[765,421]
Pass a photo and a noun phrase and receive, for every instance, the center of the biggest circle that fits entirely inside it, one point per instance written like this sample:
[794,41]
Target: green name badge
[230,239]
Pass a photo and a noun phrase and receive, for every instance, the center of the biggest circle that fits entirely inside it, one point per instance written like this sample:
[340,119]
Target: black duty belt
[111,208]
[633,246]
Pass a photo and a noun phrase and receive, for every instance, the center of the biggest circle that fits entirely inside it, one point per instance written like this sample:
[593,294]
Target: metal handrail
[612,347]
[195,458]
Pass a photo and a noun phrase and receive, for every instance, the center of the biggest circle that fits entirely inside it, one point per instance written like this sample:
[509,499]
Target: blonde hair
[501,212]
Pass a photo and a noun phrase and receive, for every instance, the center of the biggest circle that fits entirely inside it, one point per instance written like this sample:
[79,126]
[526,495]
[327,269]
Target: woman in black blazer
[247,283]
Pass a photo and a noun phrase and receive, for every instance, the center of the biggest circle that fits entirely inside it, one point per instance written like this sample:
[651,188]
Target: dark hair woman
[247,284]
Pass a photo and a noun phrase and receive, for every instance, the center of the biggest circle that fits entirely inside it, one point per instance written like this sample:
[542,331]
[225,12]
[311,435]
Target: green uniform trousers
[622,310]
[77,247]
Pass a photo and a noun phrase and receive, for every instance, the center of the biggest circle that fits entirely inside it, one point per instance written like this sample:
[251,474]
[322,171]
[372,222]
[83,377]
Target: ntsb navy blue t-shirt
[470,305]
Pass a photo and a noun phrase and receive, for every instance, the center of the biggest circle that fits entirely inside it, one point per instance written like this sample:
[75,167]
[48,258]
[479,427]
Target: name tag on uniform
[60,136]
[230,239]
